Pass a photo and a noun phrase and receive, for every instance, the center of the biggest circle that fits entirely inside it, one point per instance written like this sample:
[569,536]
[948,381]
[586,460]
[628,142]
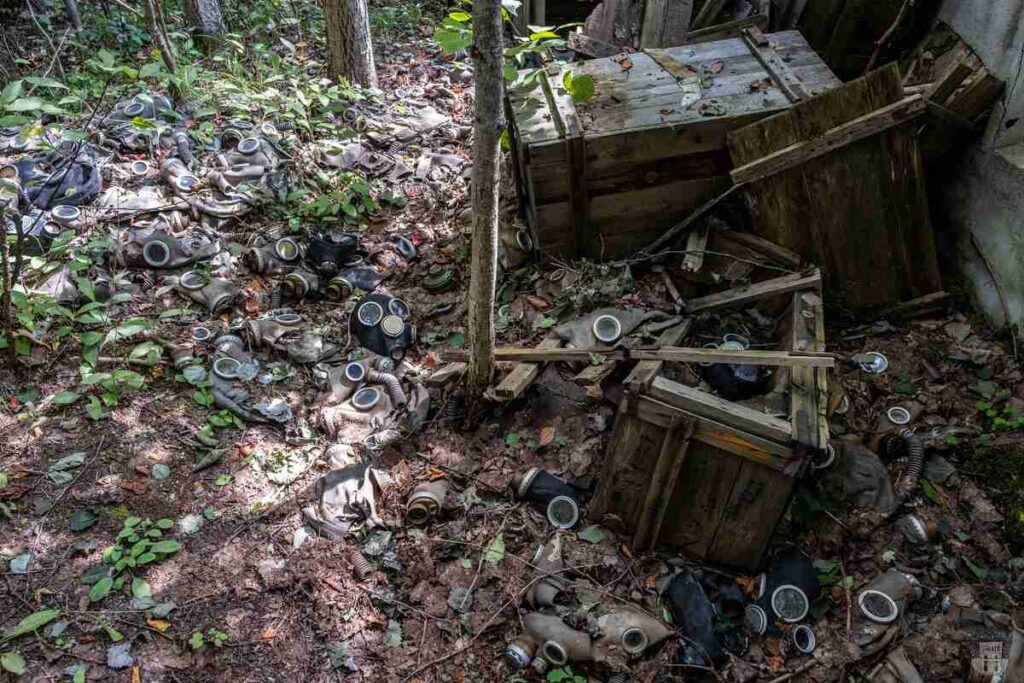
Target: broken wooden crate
[607,177]
[689,471]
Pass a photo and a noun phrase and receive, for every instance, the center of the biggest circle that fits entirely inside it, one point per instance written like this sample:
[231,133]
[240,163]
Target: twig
[49,41]
[793,674]
[480,564]
[56,55]
[128,7]
[849,600]
[884,40]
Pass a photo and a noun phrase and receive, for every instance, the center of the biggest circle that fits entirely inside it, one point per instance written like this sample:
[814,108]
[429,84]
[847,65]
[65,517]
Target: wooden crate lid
[720,79]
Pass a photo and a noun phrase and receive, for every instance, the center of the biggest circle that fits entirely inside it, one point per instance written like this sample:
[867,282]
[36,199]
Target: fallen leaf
[136,674]
[433,474]
[245,449]
[626,64]
[13,491]
[268,634]
[665,112]
[547,435]
[760,85]
[538,302]
[716,67]
[651,581]
[592,534]
[626,552]
[159,624]
[136,487]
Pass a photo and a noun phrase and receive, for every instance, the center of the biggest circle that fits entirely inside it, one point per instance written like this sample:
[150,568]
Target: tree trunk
[158,33]
[488,57]
[71,7]
[349,48]
[206,20]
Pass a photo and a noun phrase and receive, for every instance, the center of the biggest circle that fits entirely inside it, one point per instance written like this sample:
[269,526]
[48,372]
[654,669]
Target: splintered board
[859,210]
[607,177]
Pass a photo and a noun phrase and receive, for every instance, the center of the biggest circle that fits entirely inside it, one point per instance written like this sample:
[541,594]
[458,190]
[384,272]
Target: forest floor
[246,592]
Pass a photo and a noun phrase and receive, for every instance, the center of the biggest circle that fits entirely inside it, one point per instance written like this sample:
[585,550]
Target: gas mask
[344,497]
[151,248]
[334,250]
[38,231]
[604,328]
[274,258]
[216,294]
[381,324]
[283,333]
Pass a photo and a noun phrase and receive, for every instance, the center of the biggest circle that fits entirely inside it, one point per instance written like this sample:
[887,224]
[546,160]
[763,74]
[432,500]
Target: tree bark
[490,121]
[158,33]
[206,20]
[349,48]
[74,16]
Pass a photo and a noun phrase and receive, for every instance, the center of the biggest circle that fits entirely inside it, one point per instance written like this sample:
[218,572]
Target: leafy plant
[564,675]
[20,104]
[213,636]
[139,543]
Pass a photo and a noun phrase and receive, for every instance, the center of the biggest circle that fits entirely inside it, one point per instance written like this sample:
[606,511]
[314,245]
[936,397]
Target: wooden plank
[662,484]
[701,496]
[728,29]
[631,457]
[758,290]
[836,138]
[745,527]
[930,303]
[678,354]
[591,47]
[708,13]
[806,393]
[773,252]
[666,23]
[722,411]
[645,371]
[523,375]
[676,230]
[977,97]
[593,375]
[781,74]
[729,439]
[696,243]
[941,89]
[859,212]
[451,372]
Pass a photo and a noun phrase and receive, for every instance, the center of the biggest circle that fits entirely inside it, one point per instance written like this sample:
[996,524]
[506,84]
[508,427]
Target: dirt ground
[441,603]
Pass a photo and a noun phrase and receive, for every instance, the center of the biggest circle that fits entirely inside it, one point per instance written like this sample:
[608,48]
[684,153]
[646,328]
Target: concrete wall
[995,30]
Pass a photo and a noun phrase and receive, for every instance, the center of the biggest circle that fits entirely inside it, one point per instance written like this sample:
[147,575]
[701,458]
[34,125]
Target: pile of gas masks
[332,266]
[119,125]
[609,636]
[365,401]
[68,175]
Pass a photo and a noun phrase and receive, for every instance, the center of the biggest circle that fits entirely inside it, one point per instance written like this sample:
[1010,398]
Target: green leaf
[203,397]
[65,398]
[11,92]
[100,589]
[124,331]
[132,522]
[979,571]
[161,471]
[82,520]
[512,439]
[592,534]
[79,676]
[141,589]
[44,82]
[929,490]
[581,88]
[495,551]
[197,640]
[150,70]
[145,558]
[165,523]
[904,386]
[457,340]
[985,388]
[223,480]
[165,547]
[546,322]
[112,633]
[32,623]
[13,662]
[460,17]
[25,104]
[94,408]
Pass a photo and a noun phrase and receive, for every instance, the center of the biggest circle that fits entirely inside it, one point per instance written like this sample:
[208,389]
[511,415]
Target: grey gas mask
[274,258]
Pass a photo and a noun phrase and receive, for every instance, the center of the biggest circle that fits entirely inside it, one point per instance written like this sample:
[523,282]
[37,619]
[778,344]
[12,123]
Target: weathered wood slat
[977,96]
[758,496]
[860,211]
[836,138]
[772,251]
[593,375]
[662,484]
[646,370]
[522,375]
[677,354]
[947,85]
[708,13]
[720,410]
[779,70]
[730,439]
[728,29]
[808,388]
[666,22]
[591,47]
[758,290]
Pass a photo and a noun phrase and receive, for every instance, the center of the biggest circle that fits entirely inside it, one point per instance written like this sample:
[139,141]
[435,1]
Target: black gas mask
[334,250]
[381,324]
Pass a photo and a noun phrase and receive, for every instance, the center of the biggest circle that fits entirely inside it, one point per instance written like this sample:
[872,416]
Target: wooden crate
[604,178]
[689,471]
